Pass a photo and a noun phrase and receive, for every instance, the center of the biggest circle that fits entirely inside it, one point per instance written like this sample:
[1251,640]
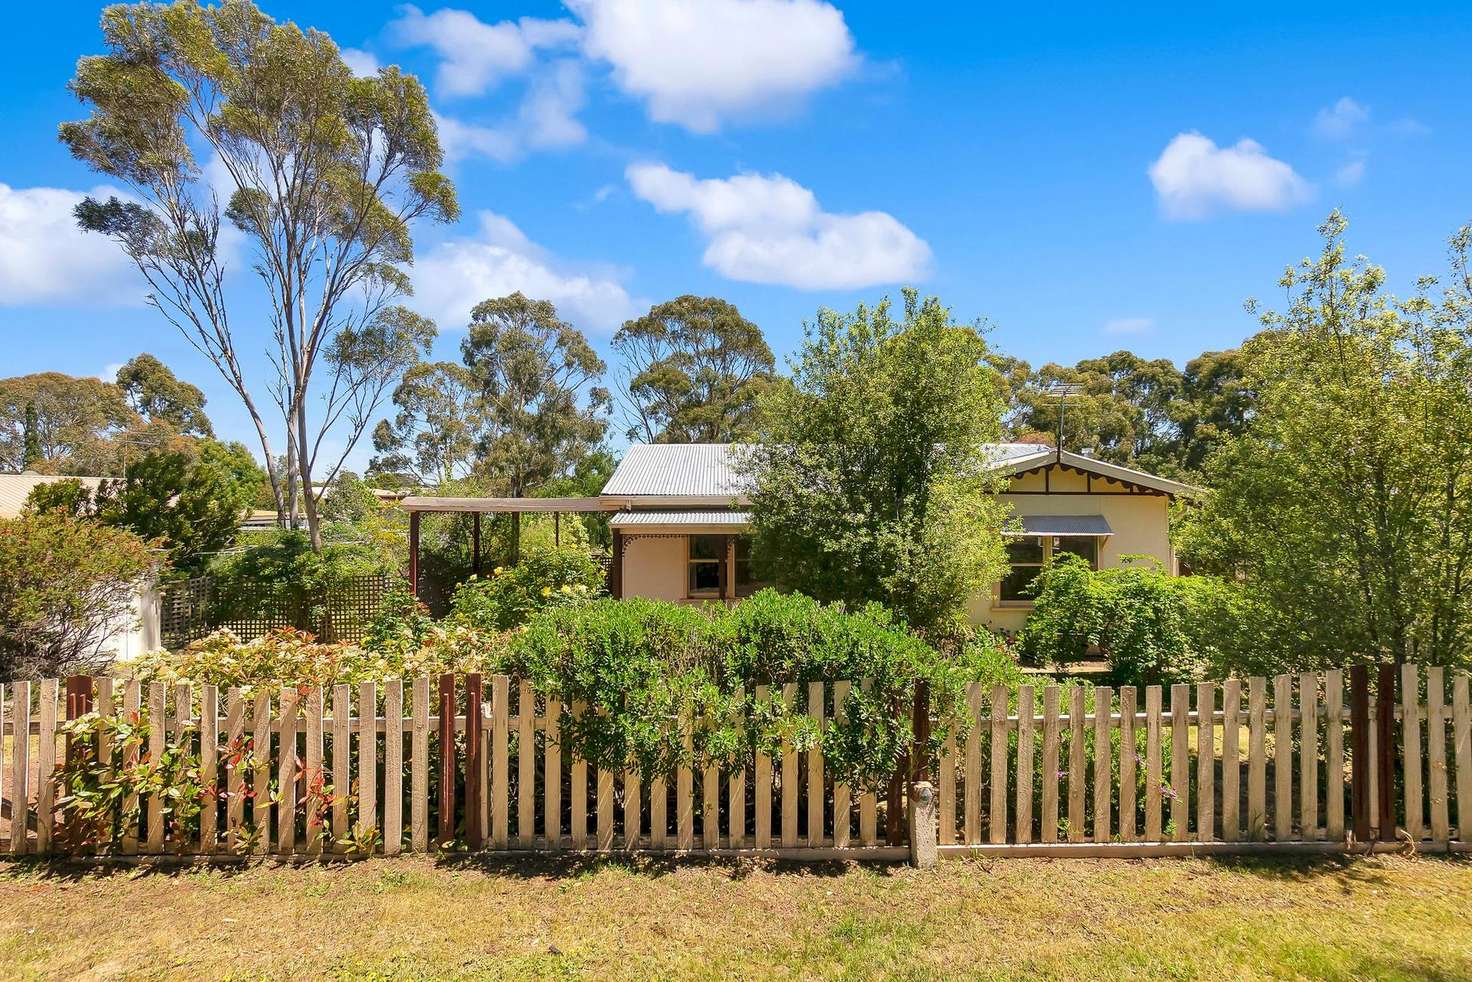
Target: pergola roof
[418,503]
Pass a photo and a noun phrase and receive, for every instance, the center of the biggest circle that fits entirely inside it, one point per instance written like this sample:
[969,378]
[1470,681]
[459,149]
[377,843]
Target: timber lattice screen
[1209,766]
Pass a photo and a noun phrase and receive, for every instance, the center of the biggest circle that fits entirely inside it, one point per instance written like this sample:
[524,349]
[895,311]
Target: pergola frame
[417,505]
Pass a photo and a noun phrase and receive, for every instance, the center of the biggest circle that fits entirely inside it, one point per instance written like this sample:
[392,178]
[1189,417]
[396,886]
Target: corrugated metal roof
[1065,525]
[677,469]
[708,469]
[641,519]
[16,488]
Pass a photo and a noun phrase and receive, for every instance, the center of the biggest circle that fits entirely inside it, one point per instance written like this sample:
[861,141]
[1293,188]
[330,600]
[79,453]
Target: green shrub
[646,667]
[544,578]
[1153,627]
[66,585]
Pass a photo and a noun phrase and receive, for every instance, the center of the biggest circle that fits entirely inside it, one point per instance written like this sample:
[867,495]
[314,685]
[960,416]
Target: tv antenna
[1061,391]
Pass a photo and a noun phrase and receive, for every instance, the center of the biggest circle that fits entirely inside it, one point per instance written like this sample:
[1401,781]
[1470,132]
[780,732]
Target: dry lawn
[1386,917]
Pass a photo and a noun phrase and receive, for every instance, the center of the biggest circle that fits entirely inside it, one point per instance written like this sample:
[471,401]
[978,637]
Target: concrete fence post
[923,853]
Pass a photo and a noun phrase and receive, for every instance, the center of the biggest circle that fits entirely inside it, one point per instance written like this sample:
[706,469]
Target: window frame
[1049,543]
[691,561]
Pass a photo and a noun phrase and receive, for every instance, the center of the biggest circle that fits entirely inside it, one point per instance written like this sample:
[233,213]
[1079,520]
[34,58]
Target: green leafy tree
[543,409]
[440,421]
[1346,503]
[325,172]
[868,480]
[1216,402]
[159,396]
[191,503]
[66,585]
[62,424]
[693,370]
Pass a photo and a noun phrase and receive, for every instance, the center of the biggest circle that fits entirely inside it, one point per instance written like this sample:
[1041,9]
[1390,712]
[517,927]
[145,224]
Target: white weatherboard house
[680,532]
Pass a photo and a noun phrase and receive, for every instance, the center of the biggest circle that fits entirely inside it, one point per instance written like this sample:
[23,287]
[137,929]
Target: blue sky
[1079,178]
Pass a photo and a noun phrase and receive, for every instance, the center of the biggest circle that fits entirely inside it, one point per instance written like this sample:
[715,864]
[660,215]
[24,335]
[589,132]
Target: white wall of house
[654,567]
[1140,522]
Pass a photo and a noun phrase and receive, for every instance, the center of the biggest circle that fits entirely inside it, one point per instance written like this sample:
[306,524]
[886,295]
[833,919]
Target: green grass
[1386,917]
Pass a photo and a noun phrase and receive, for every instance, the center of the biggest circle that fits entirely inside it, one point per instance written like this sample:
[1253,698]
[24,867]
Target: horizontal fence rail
[1312,762]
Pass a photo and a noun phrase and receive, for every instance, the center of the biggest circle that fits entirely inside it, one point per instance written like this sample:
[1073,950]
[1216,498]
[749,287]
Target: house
[679,532]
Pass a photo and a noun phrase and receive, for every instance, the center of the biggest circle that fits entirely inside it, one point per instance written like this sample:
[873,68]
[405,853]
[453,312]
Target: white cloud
[1409,126]
[1129,325]
[455,276]
[1193,178]
[770,229]
[477,55]
[547,119]
[1341,120]
[361,63]
[46,259]
[698,65]
[109,372]
[1350,174]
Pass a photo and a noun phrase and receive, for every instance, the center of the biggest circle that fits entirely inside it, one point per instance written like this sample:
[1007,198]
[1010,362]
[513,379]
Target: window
[707,552]
[1084,546]
[746,581]
[1026,556]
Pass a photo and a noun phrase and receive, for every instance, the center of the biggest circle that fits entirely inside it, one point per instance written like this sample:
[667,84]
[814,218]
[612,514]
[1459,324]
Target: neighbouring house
[679,531]
[131,636]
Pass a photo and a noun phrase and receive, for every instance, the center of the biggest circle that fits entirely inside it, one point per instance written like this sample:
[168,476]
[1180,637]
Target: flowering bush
[544,578]
[287,655]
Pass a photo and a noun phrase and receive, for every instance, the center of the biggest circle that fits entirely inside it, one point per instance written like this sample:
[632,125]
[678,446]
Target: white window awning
[1063,525]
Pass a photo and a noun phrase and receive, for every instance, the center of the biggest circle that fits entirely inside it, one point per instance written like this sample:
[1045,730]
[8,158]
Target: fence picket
[685,790]
[1103,761]
[367,757]
[945,778]
[46,766]
[997,812]
[1283,758]
[710,808]
[260,802]
[867,803]
[500,791]
[1127,751]
[1076,764]
[1410,700]
[552,775]
[209,761]
[286,773]
[789,775]
[20,767]
[1257,766]
[526,765]
[1462,752]
[1334,754]
[1308,755]
[1231,760]
[419,767]
[1436,753]
[342,762]
[1205,761]
[1152,764]
[633,816]
[313,771]
[105,709]
[1049,766]
[1022,819]
[841,797]
[579,792]
[659,819]
[605,811]
[816,788]
[393,767]
[1180,762]
[157,718]
[4,775]
[972,804]
[762,793]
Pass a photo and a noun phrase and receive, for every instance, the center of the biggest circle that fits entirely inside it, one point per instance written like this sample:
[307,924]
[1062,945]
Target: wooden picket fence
[457,763]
